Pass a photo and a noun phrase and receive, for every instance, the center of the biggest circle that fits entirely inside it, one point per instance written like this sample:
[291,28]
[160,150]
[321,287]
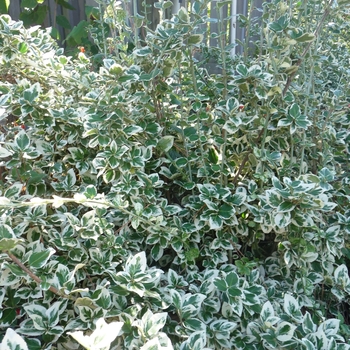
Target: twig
[246,157]
[33,276]
[300,60]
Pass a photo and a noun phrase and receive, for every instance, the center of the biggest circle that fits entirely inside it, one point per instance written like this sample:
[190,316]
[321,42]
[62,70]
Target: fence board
[75,16]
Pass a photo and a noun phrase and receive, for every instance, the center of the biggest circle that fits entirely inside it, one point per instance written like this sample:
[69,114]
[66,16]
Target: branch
[307,48]
[33,276]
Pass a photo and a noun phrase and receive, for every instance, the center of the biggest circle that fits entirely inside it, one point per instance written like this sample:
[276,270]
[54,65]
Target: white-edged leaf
[282,219]
[285,331]
[39,259]
[153,323]
[13,341]
[136,263]
[22,140]
[6,232]
[330,327]
[266,311]
[102,336]
[237,306]
[292,307]
[14,190]
[70,179]
[4,153]
[341,276]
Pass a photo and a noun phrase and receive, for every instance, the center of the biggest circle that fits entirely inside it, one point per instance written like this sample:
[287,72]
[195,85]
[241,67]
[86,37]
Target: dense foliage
[146,204]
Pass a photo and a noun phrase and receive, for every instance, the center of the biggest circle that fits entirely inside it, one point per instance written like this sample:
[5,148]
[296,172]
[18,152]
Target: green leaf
[194,324]
[330,327]
[226,211]
[176,299]
[29,3]
[145,51]
[7,318]
[196,341]
[279,25]
[221,285]
[31,94]
[232,279]
[183,15]
[294,111]
[53,313]
[237,199]
[341,276]
[65,4]
[14,191]
[237,306]
[232,104]
[90,192]
[132,130]
[167,4]
[78,33]
[6,231]
[305,38]
[7,244]
[308,324]
[39,259]
[63,22]
[104,299]
[275,27]
[38,315]
[165,143]
[69,180]
[195,39]
[4,6]
[285,206]
[22,141]
[157,252]
[242,70]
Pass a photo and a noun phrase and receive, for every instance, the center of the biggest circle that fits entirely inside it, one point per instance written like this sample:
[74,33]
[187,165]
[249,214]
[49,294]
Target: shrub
[147,204]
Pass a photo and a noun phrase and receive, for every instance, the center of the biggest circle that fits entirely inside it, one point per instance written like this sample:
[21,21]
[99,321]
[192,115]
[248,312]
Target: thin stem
[136,35]
[247,36]
[291,152]
[195,87]
[182,124]
[307,48]
[222,41]
[103,31]
[261,37]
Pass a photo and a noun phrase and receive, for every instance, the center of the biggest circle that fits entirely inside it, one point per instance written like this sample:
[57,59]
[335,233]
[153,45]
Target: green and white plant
[148,204]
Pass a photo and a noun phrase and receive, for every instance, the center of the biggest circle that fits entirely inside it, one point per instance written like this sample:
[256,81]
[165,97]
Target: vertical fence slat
[15,9]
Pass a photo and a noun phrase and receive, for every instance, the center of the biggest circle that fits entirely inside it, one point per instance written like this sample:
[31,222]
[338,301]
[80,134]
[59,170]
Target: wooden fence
[231,10]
